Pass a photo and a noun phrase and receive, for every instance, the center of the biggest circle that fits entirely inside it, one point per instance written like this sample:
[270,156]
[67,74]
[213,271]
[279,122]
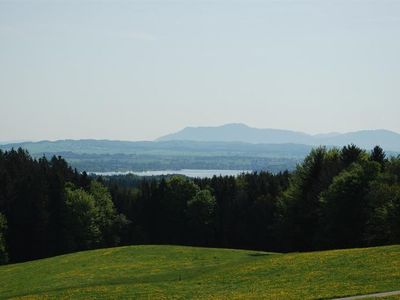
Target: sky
[136,70]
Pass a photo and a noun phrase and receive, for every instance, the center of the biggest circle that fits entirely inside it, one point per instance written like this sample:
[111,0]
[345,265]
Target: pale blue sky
[136,70]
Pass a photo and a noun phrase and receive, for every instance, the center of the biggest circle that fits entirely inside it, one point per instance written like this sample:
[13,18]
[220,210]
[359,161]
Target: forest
[336,198]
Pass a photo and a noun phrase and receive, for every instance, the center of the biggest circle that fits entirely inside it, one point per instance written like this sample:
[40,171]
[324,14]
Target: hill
[217,148]
[175,154]
[238,133]
[159,272]
[106,155]
[242,133]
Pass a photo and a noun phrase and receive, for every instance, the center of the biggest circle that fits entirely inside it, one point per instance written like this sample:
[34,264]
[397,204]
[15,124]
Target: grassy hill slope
[160,272]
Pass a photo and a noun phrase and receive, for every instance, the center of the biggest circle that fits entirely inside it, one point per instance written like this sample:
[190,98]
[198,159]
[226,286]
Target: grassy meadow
[175,272]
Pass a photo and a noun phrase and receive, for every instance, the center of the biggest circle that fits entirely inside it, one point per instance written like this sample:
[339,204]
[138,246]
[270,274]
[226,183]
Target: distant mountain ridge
[235,132]
[91,146]
[182,153]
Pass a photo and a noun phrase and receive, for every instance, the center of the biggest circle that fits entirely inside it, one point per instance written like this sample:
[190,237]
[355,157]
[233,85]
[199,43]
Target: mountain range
[235,132]
[231,146]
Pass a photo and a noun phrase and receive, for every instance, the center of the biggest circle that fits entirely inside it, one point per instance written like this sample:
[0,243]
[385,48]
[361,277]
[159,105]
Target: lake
[185,172]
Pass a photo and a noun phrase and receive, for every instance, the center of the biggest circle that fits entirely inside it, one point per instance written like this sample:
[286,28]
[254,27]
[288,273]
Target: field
[166,272]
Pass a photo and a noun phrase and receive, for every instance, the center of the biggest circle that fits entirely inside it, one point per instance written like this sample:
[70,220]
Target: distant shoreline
[194,173]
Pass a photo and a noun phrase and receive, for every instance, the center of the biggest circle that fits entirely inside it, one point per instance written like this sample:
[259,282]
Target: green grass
[173,272]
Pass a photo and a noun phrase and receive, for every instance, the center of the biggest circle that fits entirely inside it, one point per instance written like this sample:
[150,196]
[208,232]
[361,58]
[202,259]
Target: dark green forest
[336,198]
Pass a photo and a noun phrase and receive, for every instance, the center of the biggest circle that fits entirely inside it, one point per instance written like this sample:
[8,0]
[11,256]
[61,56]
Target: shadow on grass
[259,254]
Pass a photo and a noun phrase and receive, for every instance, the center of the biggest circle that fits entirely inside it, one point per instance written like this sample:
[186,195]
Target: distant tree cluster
[336,198]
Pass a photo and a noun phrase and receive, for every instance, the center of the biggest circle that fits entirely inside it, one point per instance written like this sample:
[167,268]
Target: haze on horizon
[137,70]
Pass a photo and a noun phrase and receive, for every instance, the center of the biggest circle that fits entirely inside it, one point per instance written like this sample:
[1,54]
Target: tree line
[336,198]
